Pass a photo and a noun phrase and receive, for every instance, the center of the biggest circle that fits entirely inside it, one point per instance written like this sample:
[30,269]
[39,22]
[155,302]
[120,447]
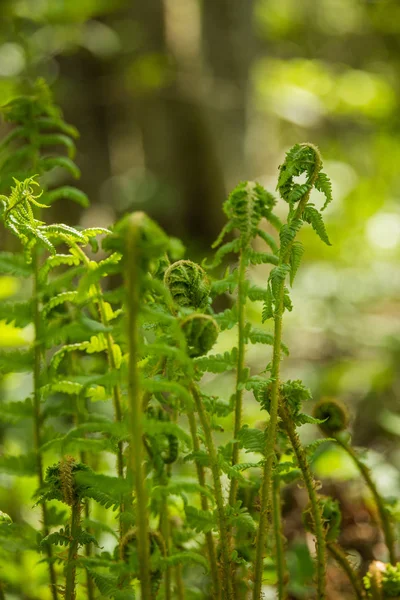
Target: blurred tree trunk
[178,146]
[229,49]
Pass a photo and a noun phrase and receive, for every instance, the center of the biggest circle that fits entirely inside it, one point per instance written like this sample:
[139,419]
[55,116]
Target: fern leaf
[217,363]
[233,246]
[312,216]
[324,185]
[277,277]
[67,193]
[260,258]
[252,440]
[12,412]
[296,254]
[227,318]
[186,557]
[14,264]
[62,162]
[57,139]
[49,123]
[201,521]
[268,309]
[19,313]
[287,234]
[16,361]
[57,300]
[268,239]
[25,464]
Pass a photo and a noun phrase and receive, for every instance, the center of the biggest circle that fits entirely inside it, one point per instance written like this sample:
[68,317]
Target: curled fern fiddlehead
[382,581]
[333,414]
[188,284]
[201,332]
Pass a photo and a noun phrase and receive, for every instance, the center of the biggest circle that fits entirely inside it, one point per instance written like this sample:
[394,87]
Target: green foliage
[132,329]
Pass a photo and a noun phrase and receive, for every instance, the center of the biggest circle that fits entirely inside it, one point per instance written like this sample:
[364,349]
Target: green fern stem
[383,514]
[165,531]
[340,557]
[241,301]
[272,425]
[180,590]
[132,278]
[204,505]
[227,586]
[38,349]
[279,539]
[117,398]
[37,417]
[70,569]
[316,510]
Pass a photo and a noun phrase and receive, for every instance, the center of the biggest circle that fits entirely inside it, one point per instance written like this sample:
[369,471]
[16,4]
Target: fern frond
[19,313]
[296,254]
[314,217]
[217,363]
[57,300]
[14,264]
[66,193]
[260,258]
[62,162]
[268,308]
[16,361]
[324,185]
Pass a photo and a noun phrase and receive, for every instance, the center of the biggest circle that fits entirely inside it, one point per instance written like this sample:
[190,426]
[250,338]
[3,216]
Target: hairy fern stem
[70,569]
[227,585]
[279,539]
[204,505]
[316,510]
[383,514]
[241,301]
[340,557]
[37,418]
[132,277]
[275,377]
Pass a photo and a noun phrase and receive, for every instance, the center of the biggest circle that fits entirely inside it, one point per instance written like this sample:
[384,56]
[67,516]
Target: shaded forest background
[177,101]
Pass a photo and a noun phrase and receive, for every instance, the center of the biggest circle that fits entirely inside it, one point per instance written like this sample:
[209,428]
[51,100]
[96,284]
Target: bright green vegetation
[123,334]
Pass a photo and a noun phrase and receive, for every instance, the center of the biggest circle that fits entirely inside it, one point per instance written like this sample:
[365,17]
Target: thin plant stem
[70,569]
[132,278]
[37,417]
[279,539]
[227,586]
[180,590]
[316,511]
[272,425]
[383,515]
[343,561]
[116,391]
[241,301]
[204,505]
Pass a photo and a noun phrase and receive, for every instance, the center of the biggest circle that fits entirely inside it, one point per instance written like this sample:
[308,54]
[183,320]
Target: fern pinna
[139,497]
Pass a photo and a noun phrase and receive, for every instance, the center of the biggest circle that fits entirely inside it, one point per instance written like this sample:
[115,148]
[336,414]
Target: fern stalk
[70,569]
[241,301]
[37,418]
[315,508]
[279,538]
[227,586]
[132,276]
[343,561]
[180,590]
[383,514]
[204,505]
[272,425]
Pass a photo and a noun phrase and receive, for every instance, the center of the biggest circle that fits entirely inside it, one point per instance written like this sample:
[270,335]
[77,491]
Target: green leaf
[312,216]
[252,440]
[14,264]
[62,162]
[57,139]
[217,363]
[200,520]
[296,254]
[19,313]
[16,361]
[324,185]
[268,309]
[66,192]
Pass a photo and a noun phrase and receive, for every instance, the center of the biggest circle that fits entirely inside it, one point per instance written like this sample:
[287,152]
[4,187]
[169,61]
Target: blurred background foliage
[178,100]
